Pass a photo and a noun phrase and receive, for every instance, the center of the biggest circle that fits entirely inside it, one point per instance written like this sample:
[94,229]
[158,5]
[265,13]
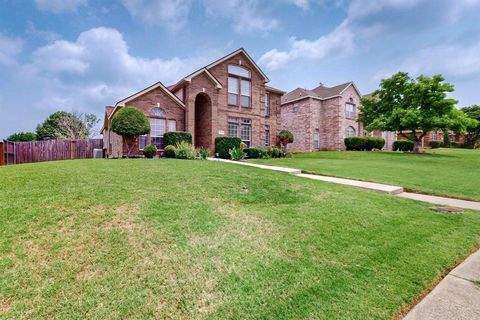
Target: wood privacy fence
[48,150]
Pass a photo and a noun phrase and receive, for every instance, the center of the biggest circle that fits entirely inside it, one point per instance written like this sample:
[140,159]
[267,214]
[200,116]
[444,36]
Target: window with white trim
[350,110]
[267,135]
[157,112]
[157,130]
[172,125]
[434,135]
[267,104]
[239,86]
[245,126]
[232,127]
[350,132]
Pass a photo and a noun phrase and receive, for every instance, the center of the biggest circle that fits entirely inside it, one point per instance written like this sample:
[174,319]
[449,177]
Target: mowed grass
[110,239]
[445,172]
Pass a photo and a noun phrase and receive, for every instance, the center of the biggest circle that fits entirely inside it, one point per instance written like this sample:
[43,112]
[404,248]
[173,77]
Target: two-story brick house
[321,118]
[228,97]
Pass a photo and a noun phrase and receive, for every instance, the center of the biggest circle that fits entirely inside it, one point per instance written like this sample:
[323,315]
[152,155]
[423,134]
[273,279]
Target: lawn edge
[407,307]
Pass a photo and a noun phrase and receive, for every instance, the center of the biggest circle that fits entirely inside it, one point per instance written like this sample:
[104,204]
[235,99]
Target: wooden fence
[48,150]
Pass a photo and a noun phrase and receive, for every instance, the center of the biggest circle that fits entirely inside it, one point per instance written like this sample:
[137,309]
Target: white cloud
[97,69]
[171,14]
[363,8]
[339,41]
[60,6]
[9,49]
[452,60]
[246,15]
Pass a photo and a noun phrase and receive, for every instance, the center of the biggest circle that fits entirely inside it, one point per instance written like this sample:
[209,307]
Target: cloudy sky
[82,54]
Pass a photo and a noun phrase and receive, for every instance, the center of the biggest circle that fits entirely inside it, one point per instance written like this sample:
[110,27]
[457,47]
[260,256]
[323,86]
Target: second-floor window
[350,110]
[267,104]
[239,86]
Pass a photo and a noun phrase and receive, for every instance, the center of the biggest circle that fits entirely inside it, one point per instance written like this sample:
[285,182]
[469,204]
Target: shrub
[285,137]
[130,123]
[175,137]
[184,150]
[204,153]
[364,143]
[243,145]
[223,145]
[150,151]
[446,140]
[257,153]
[436,144]
[236,153]
[456,145]
[169,151]
[403,145]
[275,152]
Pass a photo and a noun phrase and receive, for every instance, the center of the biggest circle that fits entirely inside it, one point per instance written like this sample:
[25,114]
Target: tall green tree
[473,127]
[130,123]
[62,125]
[22,137]
[404,104]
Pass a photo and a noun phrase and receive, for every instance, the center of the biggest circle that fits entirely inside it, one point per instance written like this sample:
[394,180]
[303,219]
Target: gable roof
[154,86]
[319,93]
[275,90]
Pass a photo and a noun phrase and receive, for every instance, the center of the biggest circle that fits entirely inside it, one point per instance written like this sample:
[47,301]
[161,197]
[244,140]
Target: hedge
[224,144]
[364,143]
[175,137]
[257,153]
[436,144]
[403,145]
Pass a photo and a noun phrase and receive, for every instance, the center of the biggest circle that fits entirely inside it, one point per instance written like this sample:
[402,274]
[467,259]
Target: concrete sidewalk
[457,296]
[378,187]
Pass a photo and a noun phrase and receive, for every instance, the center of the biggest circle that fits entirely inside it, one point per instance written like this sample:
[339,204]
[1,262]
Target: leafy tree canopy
[473,126]
[62,125]
[129,122]
[285,137]
[22,136]
[406,104]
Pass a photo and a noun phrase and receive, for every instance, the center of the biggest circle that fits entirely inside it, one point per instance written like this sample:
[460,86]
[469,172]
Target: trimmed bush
[436,144]
[364,143]
[257,153]
[223,145]
[185,150]
[175,137]
[169,151]
[236,154]
[403,145]
[149,151]
[243,145]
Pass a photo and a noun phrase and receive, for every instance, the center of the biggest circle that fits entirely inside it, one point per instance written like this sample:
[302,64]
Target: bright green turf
[110,239]
[444,172]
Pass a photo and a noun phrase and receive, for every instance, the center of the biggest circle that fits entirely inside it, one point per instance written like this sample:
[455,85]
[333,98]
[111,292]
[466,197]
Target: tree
[473,127]
[285,137]
[130,123]
[90,122]
[62,125]
[22,136]
[406,104]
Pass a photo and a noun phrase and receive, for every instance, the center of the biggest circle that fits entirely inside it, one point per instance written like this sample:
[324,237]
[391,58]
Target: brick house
[321,118]
[228,97]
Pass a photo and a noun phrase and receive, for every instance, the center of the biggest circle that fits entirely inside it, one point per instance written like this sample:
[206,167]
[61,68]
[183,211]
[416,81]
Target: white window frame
[350,110]
[316,139]
[172,123]
[348,131]
[267,135]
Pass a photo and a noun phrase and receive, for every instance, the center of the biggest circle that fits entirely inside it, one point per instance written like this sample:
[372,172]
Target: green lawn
[110,239]
[444,172]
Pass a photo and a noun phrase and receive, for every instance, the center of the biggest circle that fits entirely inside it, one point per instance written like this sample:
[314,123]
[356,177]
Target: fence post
[72,149]
[2,153]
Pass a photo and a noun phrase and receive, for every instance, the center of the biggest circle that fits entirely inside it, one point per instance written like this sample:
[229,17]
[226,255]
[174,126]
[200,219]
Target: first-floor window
[316,139]
[267,135]
[142,141]
[245,126]
[157,129]
[350,132]
[172,125]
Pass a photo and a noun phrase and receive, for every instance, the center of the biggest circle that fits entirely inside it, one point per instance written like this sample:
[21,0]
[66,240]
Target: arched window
[157,112]
[350,132]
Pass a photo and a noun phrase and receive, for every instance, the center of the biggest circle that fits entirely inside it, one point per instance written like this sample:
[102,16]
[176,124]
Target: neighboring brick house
[321,118]
[228,97]
[434,136]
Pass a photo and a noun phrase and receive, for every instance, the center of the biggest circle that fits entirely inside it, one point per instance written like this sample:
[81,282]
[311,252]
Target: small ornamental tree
[22,137]
[130,123]
[285,137]
[473,127]
[406,104]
